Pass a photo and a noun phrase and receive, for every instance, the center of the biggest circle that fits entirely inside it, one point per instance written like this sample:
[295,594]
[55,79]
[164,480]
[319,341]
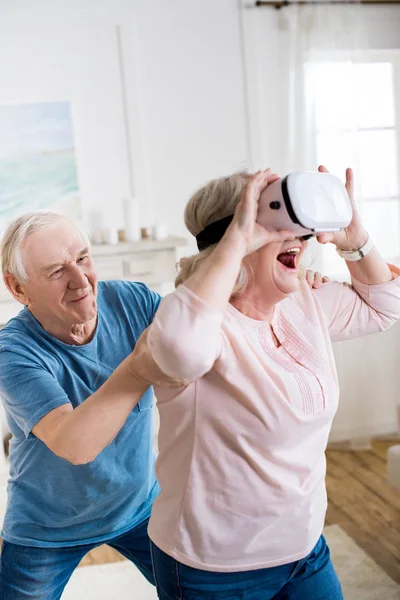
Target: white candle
[131,211]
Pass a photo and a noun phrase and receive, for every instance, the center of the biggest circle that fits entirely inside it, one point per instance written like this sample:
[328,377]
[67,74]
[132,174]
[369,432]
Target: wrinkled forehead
[57,243]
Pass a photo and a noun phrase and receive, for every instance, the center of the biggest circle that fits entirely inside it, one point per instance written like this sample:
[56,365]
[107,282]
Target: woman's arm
[185,335]
[372,303]
[370,270]
[360,309]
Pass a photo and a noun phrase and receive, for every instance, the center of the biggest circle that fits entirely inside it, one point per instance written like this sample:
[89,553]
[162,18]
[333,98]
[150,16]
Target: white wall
[192,94]
[47,56]
[170,71]
[370,386]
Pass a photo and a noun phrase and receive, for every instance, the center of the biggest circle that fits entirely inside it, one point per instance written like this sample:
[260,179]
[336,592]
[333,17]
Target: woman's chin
[287,281]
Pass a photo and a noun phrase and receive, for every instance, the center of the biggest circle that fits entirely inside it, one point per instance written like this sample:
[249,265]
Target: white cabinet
[152,262]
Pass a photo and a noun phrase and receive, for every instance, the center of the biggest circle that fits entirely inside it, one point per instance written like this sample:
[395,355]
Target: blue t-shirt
[52,503]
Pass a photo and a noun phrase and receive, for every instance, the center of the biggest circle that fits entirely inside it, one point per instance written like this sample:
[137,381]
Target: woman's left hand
[354,236]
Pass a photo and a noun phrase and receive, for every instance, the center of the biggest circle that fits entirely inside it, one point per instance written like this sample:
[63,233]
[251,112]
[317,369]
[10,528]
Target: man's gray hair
[12,260]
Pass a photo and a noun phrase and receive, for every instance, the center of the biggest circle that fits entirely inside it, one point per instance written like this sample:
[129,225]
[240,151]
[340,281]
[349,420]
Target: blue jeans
[312,578]
[42,573]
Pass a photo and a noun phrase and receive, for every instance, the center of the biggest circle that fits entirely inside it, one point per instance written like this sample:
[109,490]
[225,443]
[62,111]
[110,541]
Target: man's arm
[313,278]
[80,434]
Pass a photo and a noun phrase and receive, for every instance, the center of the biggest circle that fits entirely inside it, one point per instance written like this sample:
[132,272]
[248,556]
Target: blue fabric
[42,573]
[312,578]
[53,503]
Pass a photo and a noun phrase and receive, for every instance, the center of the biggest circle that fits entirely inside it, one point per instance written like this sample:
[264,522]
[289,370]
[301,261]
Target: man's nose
[78,279]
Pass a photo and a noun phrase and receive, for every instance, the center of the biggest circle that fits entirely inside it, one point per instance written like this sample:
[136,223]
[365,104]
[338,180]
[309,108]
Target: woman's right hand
[215,278]
[244,231]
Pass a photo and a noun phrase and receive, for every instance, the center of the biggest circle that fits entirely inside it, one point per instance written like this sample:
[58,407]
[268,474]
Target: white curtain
[322,82]
[320,98]
[340,112]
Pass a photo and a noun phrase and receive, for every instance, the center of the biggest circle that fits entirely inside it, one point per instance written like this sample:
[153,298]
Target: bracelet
[353,255]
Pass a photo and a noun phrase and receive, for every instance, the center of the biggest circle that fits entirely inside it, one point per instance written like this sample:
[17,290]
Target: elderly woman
[242,463]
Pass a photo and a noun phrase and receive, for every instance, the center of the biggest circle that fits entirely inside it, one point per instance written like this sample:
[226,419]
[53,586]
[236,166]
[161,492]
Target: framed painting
[38,169]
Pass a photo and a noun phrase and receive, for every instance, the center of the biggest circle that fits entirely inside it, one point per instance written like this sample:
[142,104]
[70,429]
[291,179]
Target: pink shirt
[242,449]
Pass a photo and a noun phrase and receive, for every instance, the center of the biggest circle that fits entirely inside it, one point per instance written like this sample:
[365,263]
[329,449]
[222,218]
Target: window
[356,108]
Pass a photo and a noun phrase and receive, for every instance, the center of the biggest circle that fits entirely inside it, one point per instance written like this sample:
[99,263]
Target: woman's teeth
[288,258]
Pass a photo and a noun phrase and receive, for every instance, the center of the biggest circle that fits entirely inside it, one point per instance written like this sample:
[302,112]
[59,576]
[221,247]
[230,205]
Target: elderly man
[81,456]
[77,403]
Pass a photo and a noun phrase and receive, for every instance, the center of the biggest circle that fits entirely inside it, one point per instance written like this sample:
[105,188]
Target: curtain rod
[283,3]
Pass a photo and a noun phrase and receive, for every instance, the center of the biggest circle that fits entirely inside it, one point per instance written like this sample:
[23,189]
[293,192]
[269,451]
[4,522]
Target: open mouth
[289,258]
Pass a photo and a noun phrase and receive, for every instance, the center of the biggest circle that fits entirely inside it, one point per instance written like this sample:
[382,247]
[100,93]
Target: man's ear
[16,289]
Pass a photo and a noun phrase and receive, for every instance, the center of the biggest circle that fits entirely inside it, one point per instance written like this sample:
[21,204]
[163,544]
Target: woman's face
[275,268]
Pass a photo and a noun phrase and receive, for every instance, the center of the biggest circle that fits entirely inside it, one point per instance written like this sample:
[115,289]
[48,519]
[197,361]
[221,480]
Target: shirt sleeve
[28,391]
[153,302]
[185,337]
[148,300]
[359,309]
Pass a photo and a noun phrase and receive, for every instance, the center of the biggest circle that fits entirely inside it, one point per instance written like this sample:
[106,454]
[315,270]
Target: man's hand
[142,368]
[313,278]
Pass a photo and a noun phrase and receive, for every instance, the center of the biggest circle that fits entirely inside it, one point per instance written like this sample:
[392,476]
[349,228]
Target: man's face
[62,286]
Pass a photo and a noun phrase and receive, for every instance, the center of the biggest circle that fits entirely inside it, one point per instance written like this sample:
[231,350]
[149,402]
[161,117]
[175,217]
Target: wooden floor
[360,501]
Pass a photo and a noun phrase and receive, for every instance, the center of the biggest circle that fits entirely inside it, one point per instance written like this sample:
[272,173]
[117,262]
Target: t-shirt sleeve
[359,309]
[148,300]
[185,338]
[28,391]
[154,300]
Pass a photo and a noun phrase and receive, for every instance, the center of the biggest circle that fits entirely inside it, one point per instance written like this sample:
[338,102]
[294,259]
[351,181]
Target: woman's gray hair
[12,259]
[215,200]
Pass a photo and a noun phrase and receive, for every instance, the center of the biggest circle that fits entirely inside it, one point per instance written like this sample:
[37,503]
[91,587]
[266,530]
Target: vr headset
[304,202]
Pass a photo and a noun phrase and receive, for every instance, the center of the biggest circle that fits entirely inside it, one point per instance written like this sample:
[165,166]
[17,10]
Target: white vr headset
[304,202]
